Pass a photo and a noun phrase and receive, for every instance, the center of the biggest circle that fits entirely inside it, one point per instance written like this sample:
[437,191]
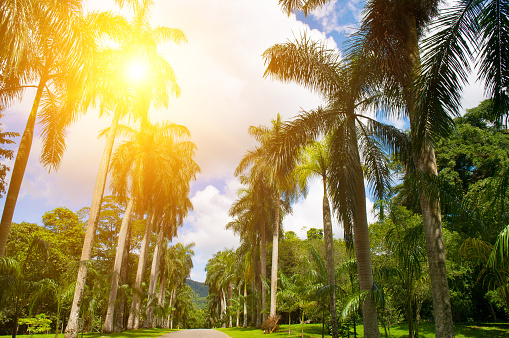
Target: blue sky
[220,71]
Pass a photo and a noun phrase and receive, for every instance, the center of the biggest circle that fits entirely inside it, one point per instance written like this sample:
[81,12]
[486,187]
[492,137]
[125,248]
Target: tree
[283,185]
[60,46]
[353,136]
[253,213]
[179,263]
[115,96]
[315,162]
[220,273]
[157,160]
[18,279]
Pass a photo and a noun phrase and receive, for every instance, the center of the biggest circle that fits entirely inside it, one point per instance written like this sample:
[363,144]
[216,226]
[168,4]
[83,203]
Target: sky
[220,72]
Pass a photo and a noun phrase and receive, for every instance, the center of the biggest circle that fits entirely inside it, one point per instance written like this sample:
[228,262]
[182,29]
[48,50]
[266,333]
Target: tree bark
[71,331]
[120,314]
[329,257]
[275,254]
[362,248]
[244,324]
[122,237]
[161,297]
[425,161]
[263,266]
[133,321]
[432,220]
[154,276]
[18,171]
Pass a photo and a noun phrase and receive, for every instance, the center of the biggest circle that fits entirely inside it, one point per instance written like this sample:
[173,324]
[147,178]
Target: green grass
[426,330]
[126,334]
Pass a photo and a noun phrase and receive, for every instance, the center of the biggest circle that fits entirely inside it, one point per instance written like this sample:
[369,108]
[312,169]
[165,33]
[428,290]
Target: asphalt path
[197,333]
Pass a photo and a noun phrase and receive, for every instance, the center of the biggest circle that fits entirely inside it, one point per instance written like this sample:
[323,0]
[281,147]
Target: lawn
[426,330]
[126,334]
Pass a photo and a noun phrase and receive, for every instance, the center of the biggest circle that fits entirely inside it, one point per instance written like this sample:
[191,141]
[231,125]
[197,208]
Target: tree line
[75,61]
[409,59]
[471,186]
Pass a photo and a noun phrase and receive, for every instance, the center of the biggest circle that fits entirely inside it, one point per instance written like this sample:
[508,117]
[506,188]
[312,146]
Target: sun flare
[136,70]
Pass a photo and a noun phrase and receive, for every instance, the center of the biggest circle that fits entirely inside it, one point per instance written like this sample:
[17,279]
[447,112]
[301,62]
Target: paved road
[198,333]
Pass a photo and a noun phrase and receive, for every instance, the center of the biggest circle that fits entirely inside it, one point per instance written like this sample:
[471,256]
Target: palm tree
[283,187]
[61,46]
[219,274]
[253,211]
[140,41]
[178,266]
[315,162]
[389,35]
[353,137]
[157,161]
[177,209]
[18,279]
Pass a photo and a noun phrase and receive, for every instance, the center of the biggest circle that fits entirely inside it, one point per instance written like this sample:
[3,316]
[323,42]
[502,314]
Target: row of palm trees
[81,60]
[383,72]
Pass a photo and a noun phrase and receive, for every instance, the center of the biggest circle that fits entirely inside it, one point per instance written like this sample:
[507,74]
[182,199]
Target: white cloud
[205,226]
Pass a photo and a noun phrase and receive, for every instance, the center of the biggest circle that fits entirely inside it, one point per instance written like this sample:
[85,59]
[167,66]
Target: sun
[136,70]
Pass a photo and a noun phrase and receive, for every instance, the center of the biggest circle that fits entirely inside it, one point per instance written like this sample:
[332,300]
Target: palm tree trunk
[133,321]
[154,276]
[71,331]
[122,236]
[223,306]
[230,296]
[121,305]
[432,221]
[244,324]
[425,161]
[275,254]
[362,248]
[162,290]
[263,266]
[329,257]
[18,171]
[238,312]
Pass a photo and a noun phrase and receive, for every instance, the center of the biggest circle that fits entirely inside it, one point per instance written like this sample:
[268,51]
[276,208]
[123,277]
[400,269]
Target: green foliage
[314,233]
[470,162]
[37,324]
[200,289]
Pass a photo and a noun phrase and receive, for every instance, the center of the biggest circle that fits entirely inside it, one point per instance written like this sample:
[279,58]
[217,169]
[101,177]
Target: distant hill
[201,291]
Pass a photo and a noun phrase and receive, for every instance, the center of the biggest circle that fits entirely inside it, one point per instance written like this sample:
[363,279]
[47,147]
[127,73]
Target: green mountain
[201,291]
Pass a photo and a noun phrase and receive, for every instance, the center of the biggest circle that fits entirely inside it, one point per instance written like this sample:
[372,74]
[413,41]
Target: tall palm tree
[177,209]
[220,272]
[137,40]
[178,266]
[315,162]
[253,212]
[390,35]
[354,137]
[179,263]
[61,45]
[149,157]
[283,186]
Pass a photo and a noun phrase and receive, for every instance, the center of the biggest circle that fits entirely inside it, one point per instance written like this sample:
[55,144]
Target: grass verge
[426,330]
[126,334]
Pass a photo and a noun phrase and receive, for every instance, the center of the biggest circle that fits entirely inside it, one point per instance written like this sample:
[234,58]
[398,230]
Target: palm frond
[354,304]
[306,62]
[445,66]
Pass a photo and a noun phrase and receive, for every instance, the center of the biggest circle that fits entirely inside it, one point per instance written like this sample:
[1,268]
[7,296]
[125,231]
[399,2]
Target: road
[198,333]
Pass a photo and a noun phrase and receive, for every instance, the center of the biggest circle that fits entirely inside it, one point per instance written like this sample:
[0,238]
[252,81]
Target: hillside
[201,291]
